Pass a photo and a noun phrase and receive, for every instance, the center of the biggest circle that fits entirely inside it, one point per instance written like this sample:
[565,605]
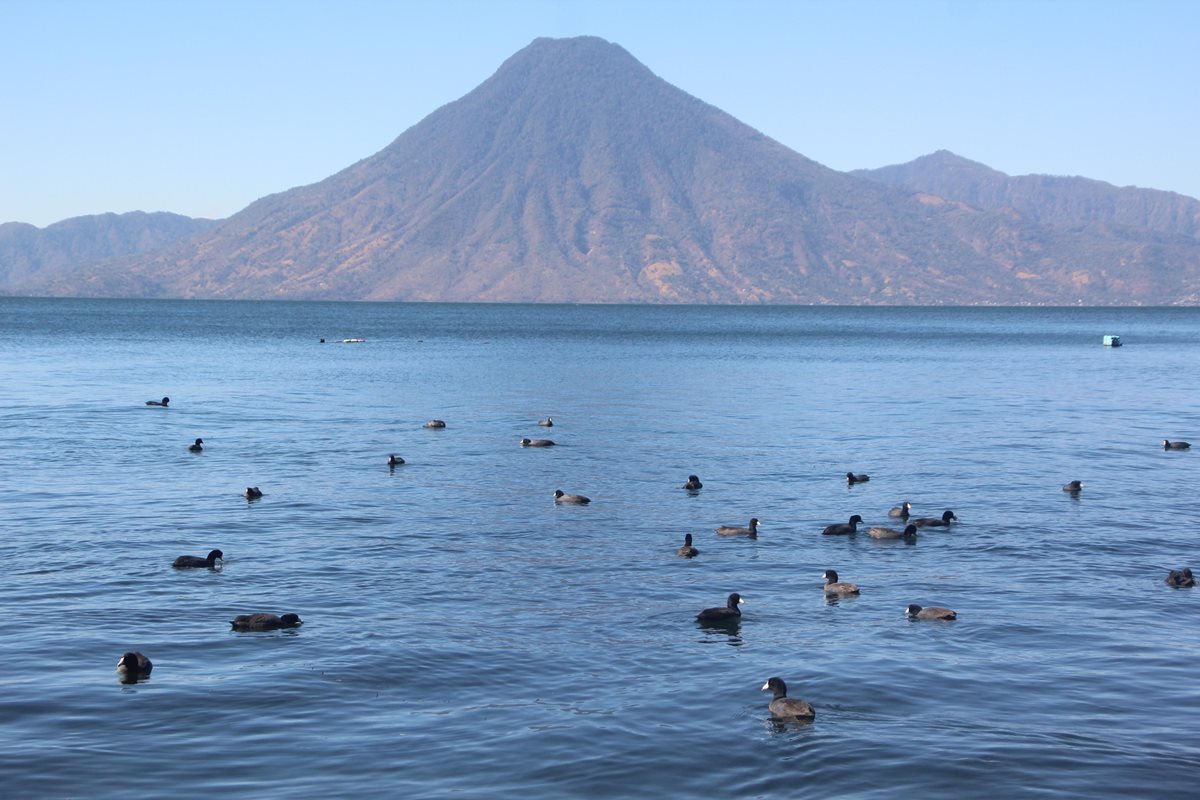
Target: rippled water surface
[464,636]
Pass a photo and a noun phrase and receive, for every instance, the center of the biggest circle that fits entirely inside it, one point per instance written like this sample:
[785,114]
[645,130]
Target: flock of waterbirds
[135,666]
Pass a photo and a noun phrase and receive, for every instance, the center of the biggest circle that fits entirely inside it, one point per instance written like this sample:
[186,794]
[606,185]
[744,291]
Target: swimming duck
[395,460]
[537,443]
[852,479]
[786,707]
[900,510]
[1167,444]
[196,446]
[166,401]
[577,499]
[914,611]
[435,423]
[844,528]
[687,551]
[833,586]
[730,613]
[265,622]
[134,666]
[733,530]
[693,484]
[1073,486]
[548,422]
[936,522]
[209,561]
[909,532]
[1181,578]
[252,493]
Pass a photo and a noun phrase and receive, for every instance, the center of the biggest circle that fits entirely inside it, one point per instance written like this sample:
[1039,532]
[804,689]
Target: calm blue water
[465,637]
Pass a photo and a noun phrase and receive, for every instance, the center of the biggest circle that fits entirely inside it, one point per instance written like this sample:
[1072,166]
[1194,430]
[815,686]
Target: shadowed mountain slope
[1047,199]
[30,253]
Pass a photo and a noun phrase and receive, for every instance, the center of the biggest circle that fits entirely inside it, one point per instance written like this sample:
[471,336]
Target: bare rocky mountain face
[574,174]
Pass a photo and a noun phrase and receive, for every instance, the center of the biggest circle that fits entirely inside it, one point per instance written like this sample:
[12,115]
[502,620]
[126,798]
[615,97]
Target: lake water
[464,636]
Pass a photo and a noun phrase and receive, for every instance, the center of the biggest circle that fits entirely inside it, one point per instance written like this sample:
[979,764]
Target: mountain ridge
[1048,199]
[31,253]
[574,174]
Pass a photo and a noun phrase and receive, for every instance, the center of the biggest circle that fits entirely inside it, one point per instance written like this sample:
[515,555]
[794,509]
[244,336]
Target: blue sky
[202,107]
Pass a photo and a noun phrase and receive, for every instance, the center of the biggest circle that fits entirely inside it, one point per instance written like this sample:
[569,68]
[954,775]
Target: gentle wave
[465,636]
